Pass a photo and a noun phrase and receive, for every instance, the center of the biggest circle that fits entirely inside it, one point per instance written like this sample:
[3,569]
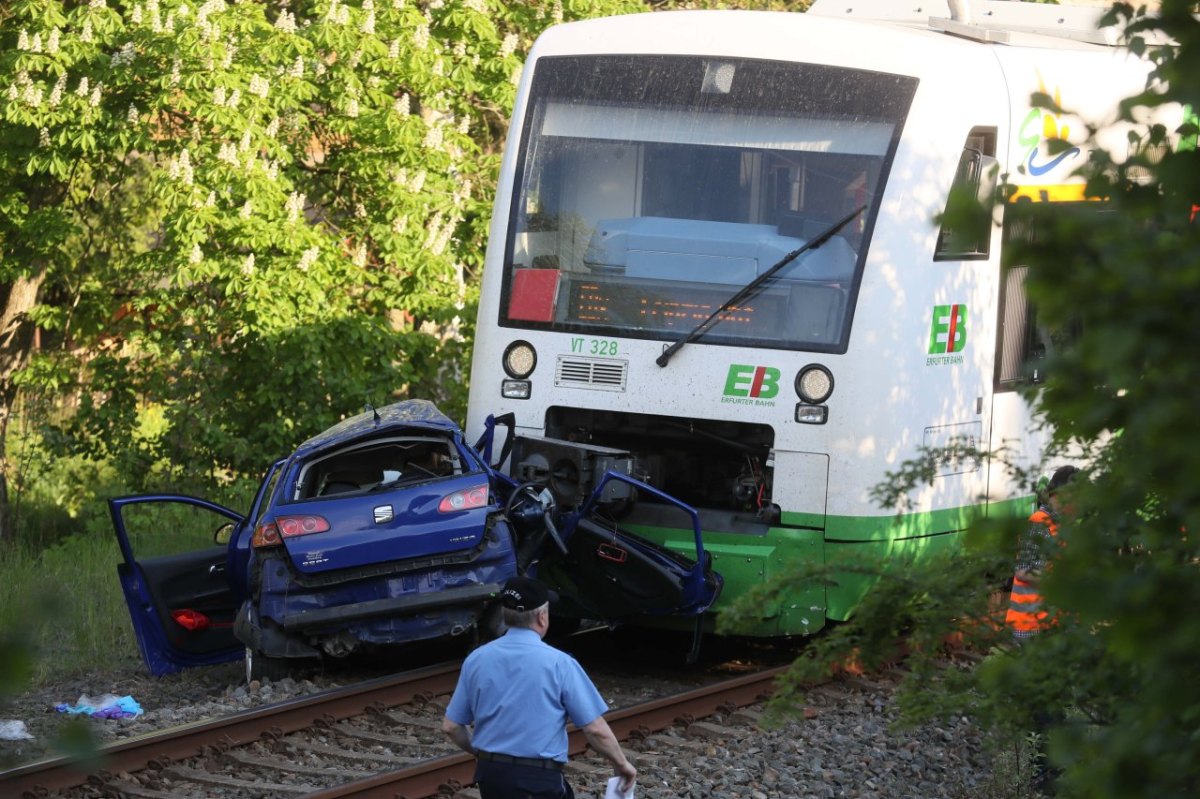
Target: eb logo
[948,333]
[760,382]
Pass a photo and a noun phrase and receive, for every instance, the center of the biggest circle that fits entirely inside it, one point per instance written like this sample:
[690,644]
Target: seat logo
[383,514]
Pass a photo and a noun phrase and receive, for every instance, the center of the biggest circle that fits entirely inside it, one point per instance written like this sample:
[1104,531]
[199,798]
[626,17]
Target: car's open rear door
[175,581]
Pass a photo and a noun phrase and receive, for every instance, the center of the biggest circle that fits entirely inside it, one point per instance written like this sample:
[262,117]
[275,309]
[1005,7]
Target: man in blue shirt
[518,693]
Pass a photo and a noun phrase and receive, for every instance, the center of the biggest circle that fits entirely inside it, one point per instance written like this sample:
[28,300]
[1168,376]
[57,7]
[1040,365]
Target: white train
[658,164]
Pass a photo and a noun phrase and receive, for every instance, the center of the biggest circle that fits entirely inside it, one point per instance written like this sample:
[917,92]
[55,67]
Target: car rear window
[378,464]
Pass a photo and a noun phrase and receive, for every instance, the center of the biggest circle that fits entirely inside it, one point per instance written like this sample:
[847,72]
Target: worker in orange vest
[1027,615]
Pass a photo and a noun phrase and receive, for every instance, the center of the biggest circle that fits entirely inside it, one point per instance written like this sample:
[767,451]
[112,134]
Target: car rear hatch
[446,516]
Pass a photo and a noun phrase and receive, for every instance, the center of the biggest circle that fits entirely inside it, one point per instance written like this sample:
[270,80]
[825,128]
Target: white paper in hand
[613,791]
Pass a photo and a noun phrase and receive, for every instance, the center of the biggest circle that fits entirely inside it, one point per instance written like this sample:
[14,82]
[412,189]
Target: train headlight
[516,389]
[520,359]
[814,384]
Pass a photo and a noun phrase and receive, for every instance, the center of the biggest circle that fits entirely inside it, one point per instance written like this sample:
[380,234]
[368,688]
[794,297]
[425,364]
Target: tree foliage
[1121,660]
[256,216]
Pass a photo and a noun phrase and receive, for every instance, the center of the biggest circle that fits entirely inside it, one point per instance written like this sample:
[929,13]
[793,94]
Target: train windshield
[652,188]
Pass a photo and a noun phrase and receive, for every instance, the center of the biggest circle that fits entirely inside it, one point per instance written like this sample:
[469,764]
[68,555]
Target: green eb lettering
[744,380]
[738,381]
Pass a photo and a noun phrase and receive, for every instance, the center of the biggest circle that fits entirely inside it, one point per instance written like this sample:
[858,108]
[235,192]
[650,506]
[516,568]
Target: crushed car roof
[409,413]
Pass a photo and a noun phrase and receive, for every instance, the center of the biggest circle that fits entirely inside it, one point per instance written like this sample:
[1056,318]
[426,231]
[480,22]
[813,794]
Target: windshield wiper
[754,285]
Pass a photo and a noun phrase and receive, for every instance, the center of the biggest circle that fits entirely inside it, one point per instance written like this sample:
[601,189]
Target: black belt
[534,762]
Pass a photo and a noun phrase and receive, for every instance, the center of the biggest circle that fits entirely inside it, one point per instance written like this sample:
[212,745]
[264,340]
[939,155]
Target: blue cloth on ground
[108,706]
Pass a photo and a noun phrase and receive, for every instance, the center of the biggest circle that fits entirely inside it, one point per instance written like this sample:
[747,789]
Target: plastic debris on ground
[109,706]
[13,730]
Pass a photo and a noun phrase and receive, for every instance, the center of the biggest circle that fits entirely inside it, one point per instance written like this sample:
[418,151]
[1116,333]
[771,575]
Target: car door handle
[216,568]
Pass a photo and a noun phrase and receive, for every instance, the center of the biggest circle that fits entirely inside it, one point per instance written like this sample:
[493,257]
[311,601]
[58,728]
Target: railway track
[379,738]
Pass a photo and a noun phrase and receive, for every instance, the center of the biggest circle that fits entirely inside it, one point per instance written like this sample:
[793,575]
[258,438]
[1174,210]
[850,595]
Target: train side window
[966,231]
[1025,339]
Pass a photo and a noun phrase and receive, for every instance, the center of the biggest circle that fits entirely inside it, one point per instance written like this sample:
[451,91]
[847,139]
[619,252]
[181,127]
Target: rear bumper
[469,595]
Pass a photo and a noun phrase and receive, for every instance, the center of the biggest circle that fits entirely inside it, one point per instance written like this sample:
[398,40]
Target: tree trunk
[16,341]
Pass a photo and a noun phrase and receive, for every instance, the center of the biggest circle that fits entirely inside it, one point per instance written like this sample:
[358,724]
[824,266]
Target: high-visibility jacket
[1026,615]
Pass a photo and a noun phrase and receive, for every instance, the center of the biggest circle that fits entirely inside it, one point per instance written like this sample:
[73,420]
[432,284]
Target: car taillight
[466,499]
[266,535]
[270,534]
[292,526]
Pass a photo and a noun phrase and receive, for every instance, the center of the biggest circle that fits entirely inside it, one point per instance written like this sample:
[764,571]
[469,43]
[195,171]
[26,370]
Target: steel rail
[456,771]
[190,740]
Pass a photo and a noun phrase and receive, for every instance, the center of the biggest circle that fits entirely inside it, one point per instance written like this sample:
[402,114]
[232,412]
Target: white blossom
[308,258]
[360,255]
[297,70]
[464,125]
[244,144]
[43,138]
[272,128]
[33,94]
[97,4]
[509,45]
[211,200]
[219,95]
[56,95]
[175,74]
[52,41]
[352,107]
[397,4]
[124,56]
[258,86]
[460,50]
[82,91]
[273,170]
[131,116]
[360,210]
[248,265]
[418,181]
[294,206]
[86,36]
[403,105]
[368,25]
[320,68]
[399,224]
[394,48]
[247,210]
[228,154]
[227,59]
[196,256]
[421,36]
[286,22]
[433,138]
[557,13]
[23,40]
[135,16]
[478,6]
[12,93]
[235,98]
[185,167]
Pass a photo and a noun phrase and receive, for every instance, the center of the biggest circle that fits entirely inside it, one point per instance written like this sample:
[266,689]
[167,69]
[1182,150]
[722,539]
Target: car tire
[260,667]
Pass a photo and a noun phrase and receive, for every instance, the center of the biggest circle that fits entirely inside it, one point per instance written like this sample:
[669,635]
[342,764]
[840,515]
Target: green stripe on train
[745,561]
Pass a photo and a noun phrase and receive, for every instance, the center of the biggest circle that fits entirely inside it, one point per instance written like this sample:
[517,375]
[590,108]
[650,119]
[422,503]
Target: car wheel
[260,667]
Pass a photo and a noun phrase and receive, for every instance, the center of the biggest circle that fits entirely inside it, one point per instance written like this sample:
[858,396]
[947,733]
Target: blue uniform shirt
[519,693]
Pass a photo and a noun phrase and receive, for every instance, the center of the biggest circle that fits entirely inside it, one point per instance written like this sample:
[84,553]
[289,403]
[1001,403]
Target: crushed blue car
[389,528]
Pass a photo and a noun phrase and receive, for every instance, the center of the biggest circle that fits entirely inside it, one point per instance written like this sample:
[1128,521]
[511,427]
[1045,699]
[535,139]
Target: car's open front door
[174,579]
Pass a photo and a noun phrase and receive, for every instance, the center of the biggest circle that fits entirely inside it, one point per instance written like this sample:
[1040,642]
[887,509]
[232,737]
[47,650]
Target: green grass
[62,613]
